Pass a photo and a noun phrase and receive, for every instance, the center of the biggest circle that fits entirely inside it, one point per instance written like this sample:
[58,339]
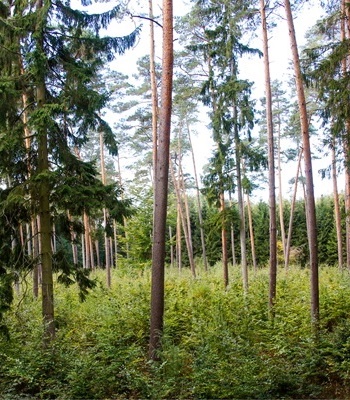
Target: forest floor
[217,343]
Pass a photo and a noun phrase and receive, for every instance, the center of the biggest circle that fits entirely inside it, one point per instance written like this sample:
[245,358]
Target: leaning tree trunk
[310,203]
[161,185]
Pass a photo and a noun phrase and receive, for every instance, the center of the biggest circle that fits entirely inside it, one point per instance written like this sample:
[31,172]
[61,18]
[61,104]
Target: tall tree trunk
[242,233]
[292,206]
[344,35]
[105,215]
[271,161]
[87,241]
[184,222]
[310,204]
[44,203]
[171,247]
[178,239]
[154,91]
[224,239]
[337,215]
[199,205]
[280,192]
[251,233]
[161,185]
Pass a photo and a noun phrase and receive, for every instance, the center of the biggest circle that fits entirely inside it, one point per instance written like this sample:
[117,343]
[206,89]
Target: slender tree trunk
[271,161]
[224,239]
[44,204]
[337,215]
[292,207]
[344,35]
[310,204]
[183,220]
[105,215]
[154,91]
[161,186]
[280,193]
[45,229]
[171,247]
[199,205]
[242,233]
[251,233]
[178,239]
[87,241]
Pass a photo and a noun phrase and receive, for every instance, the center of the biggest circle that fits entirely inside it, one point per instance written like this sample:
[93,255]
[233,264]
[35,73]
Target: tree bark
[161,185]
[251,233]
[310,204]
[271,161]
[184,222]
[292,206]
[199,205]
[44,204]
[337,215]
[224,239]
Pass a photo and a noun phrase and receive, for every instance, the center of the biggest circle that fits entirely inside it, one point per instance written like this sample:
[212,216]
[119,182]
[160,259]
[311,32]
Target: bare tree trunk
[87,241]
[161,185]
[292,206]
[251,233]
[271,160]
[199,205]
[178,239]
[183,220]
[171,247]
[224,239]
[344,35]
[310,204]
[337,215]
[242,233]
[153,87]
[97,249]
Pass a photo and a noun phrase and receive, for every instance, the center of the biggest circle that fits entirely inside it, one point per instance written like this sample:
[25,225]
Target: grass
[216,344]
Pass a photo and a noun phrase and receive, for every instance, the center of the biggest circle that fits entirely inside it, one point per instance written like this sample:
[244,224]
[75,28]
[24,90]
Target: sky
[252,69]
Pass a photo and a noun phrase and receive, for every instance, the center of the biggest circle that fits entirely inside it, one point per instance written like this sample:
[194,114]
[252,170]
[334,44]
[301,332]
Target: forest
[165,232]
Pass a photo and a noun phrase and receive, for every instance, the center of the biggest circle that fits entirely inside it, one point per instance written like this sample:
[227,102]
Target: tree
[61,56]
[271,156]
[161,185]
[310,201]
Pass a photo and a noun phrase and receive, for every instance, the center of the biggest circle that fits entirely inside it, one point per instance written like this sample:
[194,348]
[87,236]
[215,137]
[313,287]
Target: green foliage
[216,343]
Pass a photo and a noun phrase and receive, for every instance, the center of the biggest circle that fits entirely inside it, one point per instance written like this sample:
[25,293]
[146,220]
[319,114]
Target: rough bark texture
[161,185]
[310,203]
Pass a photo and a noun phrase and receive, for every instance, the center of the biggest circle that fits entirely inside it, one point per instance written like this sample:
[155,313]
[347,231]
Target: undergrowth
[217,343]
